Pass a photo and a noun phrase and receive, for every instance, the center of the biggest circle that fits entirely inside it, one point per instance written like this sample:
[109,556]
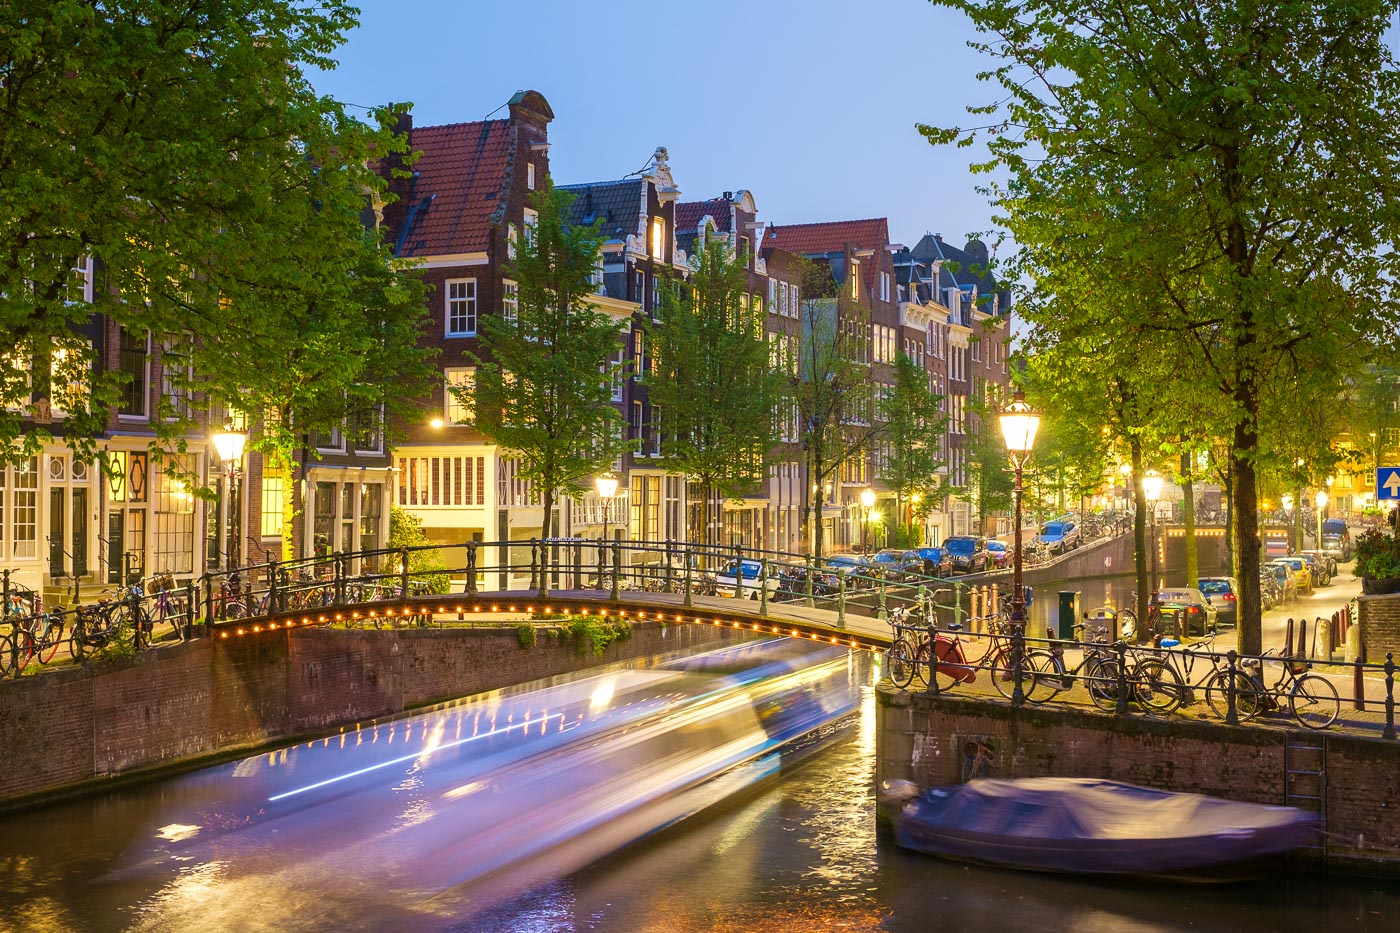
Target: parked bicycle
[1312,699]
[909,654]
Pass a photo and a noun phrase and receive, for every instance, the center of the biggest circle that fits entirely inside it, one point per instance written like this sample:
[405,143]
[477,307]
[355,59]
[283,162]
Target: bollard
[1390,696]
[1232,716]
[932,686]
[1120,648]
[841,598]
[763,587]
[882,614]
[996,605]
[974,609]
[957,604]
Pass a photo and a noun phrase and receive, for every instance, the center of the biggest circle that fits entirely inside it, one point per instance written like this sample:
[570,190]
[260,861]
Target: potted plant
[1378,562]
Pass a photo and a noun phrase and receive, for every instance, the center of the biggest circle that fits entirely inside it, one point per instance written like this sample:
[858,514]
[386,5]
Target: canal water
[798,850]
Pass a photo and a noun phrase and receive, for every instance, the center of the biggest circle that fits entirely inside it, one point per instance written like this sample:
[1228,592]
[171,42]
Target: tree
[914,423]
[835,391]
[1238,162]
[717,383]
[990,482]
[172,147]
[544,380]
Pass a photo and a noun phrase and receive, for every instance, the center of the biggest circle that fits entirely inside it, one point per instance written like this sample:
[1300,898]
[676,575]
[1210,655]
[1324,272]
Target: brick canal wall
[1379,618]
[945,740]
[170,707]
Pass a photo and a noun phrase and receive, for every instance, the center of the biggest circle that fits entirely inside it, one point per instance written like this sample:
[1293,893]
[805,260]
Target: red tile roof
[463,170]
[690,213]
[832,237]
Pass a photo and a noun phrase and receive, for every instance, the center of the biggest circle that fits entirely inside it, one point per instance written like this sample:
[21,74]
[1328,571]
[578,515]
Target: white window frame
[457,377]
[530,175]
[468,315]
[531,220]
[337,444]
[855,279]
[510,300]
[145,413]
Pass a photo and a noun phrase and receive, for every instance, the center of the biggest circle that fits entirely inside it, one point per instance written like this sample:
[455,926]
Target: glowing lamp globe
[1019,422]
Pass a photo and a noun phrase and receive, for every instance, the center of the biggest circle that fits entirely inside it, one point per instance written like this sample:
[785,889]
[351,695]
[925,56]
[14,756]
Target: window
[976,350]
[884,286]
[855,280]
[69,387]
[530,175]
[176,377]
[19,511]
[461,308]
[456,409]
[367,430]
[638,422]
[510,301]
[792,296]
[329,439]
[442,481]
[136,370]
[371,515]
[658,239]
[273,488]
[532,220]
[773,292]
[646,508]
[512,240]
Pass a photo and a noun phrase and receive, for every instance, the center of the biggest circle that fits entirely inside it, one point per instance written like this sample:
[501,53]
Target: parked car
[1321,576]
[937,561]
[969,553]
[1000,553]
[1301,570]
[1336,539]
[895,564]
[1198,616]
[1328,559]
[748,582]
[859,569]
[1286,580]
[1059,536]
[1222,593]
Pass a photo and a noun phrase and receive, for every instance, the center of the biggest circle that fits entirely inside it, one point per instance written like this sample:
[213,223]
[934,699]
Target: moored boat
[1091,826]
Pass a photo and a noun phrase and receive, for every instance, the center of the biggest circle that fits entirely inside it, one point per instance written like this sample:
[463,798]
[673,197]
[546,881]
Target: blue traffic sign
[1388,483]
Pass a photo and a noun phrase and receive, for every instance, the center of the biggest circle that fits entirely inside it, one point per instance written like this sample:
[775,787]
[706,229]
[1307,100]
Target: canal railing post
[882,614]
[191,597]
[602,561]
[687,601]
[1232,715]
[932,630]
[578,565]
[617,563]
[273,590]
[1120,648]
[811,572]
[841,597]
[208,602]
[339,579]
[471,568]
[957,604]
[13,619]
[543,591]
[738,559]
[1389,732]
[1018,655]
[763,587]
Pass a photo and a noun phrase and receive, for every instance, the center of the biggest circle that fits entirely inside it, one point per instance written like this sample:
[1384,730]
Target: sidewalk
[1322,602]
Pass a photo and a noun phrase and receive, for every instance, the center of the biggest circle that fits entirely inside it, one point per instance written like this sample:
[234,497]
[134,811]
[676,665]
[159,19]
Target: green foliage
[914,423]
[525,634]
[180,144]
[596,632]
[544,381]
[1201,183]
[1378,555]
[406,530]
[715,387]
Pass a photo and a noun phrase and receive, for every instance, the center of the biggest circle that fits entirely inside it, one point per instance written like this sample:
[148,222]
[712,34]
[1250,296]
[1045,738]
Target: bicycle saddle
[953,627]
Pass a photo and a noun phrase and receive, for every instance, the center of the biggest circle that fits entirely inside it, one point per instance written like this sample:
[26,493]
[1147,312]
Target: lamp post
[867,501]
[1287,502]
[1152,491]
[1124,470]
[229,444]
[1019,422]
[607,488]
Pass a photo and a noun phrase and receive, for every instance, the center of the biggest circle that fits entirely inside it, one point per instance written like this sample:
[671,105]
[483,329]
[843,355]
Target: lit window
[510,300]
[855,279]
[461,308]
[136,370]
[272,490]
[658,239]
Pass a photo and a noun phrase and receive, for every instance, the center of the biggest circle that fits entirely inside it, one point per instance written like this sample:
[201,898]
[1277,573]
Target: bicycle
[1312,699]
[93,629]
[1152,682]
[908,656]
[38,636]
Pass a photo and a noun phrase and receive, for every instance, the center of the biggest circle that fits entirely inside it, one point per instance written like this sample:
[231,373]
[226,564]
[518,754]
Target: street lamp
[607,488]
[867,501]
[229,444]
[1019,422]
[1152,491]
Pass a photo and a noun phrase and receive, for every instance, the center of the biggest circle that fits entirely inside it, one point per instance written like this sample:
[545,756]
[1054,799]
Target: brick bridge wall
[71,729]
[1379,618]
[927,739]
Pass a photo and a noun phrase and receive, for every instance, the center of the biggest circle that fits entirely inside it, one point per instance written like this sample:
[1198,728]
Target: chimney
[977,250]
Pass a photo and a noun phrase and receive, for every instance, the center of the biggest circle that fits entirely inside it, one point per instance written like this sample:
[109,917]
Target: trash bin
[1062,624]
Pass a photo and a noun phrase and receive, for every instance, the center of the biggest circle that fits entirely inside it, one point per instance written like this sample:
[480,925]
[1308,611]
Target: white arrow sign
[1392,485]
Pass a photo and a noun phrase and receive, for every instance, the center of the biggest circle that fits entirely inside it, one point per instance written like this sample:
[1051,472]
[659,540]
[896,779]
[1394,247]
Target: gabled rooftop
[830,237]
[457,186]
[616,205]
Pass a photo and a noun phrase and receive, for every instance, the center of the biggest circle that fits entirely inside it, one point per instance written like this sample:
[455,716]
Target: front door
[57,501]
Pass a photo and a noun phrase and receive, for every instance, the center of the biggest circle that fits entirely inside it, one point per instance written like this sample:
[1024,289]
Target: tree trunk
[1188,517]
[1244,530]
[1140,542]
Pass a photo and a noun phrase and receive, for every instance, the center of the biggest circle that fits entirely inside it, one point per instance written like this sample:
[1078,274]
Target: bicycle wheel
[1248,700]
[1314,702]
[1157,687]
[4,655]
[1047,676]
[900,664]
[25,639]
[53,635]
[1101,680]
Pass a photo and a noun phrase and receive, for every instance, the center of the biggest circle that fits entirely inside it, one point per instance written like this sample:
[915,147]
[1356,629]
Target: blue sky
[809,104]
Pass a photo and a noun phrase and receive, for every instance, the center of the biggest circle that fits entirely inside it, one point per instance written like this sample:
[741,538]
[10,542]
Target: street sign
[1388,483]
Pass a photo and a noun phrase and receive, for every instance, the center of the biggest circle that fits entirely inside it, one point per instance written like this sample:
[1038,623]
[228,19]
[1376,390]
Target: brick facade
[1379,618]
